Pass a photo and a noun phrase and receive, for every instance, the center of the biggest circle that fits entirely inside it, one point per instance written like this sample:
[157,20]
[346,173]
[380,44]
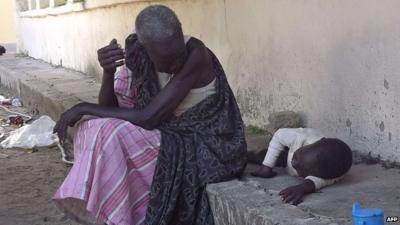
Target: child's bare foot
[264,172]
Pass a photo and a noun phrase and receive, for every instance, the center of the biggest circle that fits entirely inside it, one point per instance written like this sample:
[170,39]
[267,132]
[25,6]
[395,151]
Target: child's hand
[264,172]
[295,194]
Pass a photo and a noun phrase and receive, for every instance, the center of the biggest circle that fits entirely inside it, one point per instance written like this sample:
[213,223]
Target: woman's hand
[110,57]
[68,118]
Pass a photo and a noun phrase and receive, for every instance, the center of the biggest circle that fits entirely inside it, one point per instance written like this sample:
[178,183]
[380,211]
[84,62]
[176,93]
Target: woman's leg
[112,174]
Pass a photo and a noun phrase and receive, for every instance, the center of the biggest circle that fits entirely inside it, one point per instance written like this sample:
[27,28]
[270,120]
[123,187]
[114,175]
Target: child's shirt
[295,138]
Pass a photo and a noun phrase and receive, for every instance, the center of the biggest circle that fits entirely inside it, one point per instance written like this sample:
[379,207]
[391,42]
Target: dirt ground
[27,183]
[28,180]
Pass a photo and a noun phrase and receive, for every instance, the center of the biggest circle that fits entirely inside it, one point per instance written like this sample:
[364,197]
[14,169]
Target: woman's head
[160,32]
[327,158]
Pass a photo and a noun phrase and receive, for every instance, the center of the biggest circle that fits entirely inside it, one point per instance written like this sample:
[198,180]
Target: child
[320,161]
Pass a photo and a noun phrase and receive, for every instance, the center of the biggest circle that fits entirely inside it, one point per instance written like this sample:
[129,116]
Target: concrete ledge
[253,200]
[44,88]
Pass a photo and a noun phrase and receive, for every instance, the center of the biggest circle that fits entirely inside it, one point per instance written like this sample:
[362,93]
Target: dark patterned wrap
[206,144]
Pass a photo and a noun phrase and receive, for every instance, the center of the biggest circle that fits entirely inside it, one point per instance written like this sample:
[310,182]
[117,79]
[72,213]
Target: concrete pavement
[255,201]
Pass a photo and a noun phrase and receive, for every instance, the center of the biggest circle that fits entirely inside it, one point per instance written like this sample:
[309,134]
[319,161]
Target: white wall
[336,62]
[7,23]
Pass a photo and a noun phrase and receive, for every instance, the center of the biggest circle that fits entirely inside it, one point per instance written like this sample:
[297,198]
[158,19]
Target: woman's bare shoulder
[196,46]
[203,60]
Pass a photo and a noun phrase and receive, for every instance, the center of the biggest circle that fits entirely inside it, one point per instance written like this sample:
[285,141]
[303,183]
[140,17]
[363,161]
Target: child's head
[327,158]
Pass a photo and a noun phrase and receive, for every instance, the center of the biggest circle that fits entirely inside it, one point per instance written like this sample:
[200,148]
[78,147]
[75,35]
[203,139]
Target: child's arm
[282,138]
[296,193]
[321,183]
[311,184]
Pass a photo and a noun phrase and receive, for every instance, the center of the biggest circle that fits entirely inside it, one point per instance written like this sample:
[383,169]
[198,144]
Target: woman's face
[168,56]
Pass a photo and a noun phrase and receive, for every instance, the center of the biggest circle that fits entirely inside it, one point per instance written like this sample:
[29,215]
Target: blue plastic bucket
[370,216]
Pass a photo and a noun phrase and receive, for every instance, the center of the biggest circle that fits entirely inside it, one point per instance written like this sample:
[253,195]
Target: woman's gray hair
[157,23]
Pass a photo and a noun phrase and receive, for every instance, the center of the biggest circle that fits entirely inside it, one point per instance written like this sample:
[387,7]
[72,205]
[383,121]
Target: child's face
[305,160]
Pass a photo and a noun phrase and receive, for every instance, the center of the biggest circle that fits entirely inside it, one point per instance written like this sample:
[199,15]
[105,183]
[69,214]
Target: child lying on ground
[320,161]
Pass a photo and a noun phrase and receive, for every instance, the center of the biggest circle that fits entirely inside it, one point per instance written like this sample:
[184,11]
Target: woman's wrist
[108,74]
[83,108]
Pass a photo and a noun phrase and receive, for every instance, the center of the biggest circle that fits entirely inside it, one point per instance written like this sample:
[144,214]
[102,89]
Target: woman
[166,127]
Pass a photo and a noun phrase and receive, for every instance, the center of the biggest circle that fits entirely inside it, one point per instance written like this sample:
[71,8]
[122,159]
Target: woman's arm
[110,57]
[161,107]
[107,95]
[167,100]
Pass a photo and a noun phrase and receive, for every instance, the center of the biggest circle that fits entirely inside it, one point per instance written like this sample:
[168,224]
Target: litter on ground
[20,130]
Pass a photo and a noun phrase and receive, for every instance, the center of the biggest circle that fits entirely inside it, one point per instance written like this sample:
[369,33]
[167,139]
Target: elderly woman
[167,124]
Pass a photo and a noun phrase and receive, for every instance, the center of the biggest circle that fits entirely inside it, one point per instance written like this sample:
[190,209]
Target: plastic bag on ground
[16,102]
[37,134]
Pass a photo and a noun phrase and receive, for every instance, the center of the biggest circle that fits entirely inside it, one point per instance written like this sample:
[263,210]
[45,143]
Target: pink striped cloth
[113,169]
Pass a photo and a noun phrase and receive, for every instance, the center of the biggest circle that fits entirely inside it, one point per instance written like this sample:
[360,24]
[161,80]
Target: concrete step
[255,201]
[44,88]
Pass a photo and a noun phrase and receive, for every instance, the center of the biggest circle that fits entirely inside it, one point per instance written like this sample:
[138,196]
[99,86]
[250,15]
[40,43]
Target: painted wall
[336,62]
[7,24]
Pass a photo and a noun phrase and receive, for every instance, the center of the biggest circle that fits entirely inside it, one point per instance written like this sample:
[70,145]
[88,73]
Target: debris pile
[20,130]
